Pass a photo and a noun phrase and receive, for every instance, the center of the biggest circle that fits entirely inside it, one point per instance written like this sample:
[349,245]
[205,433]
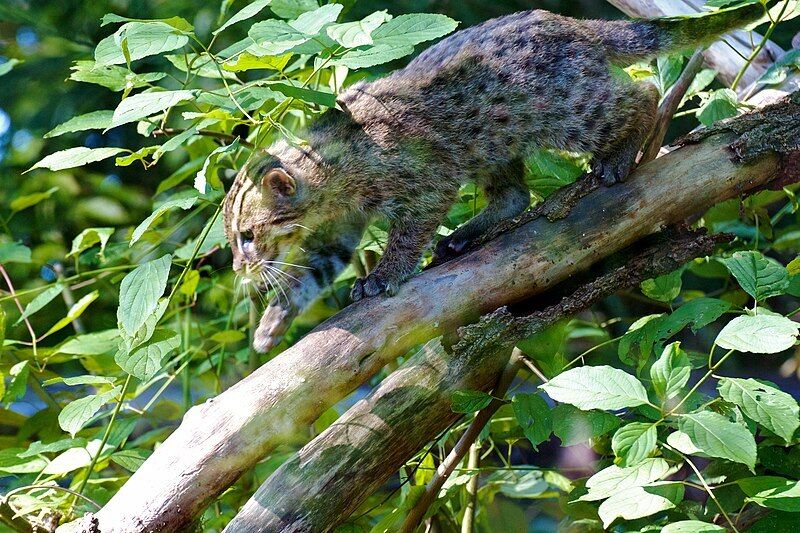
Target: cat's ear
[280,182]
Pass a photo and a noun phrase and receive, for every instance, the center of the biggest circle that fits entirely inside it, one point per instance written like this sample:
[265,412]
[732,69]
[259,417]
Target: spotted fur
[466,109]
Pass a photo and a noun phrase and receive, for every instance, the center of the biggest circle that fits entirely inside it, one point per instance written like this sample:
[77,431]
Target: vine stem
[106,434]
[760,47]
[700,382]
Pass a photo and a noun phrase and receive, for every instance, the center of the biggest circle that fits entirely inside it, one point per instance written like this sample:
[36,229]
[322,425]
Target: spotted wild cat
[466,109]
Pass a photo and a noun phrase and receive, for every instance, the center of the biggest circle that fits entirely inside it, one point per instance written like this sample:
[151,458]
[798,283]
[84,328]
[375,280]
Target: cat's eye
[247,236]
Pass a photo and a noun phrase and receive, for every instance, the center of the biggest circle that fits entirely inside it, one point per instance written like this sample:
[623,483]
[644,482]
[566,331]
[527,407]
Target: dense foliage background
[119,311]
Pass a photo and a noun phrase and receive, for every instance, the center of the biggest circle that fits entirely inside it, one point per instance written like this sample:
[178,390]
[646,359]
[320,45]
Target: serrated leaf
[469,401]
[203,177]
[638,502]
[182,203]
[42,299]
[413,29]
[533,415]
[247,12]
[663,288]
[19,381]
[372,56]
[274,37]
[758,334]
[634,442]
[99,343]
[112,77]
[359,33]
[717,436]
[29,200]
[139,293]
[322,98]
[759,276]
[72,459]
[130,460]
[248,61]
[721,104]
[596,387]
[772,408]
[143,105]
[178,23]
[139,40]
[773,492]
[290,9]
[76,414]
[613,479]
[38,448]
[573,426]
[671,371]
[76,157]
[96,120]
[145,360]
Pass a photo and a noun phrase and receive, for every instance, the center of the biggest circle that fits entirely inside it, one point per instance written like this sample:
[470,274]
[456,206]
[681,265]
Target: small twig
[472,487]
[670,104]
[463,445]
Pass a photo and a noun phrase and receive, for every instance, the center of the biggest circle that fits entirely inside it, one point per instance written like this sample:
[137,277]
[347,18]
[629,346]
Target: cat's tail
[629,41]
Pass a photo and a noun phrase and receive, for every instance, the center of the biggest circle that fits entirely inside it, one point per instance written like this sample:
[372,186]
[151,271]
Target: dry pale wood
[719,55]
[226,435]
[330,477]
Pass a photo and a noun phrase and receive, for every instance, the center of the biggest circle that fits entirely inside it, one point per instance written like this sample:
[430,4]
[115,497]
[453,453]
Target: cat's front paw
[273,324]
[373,285]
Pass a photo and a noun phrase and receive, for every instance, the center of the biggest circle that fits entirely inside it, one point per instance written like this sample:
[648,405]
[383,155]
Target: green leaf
[42,299]
[72,459]
[139,293]
[549,170]
[88,238]
[143,105]
[203,177]
[413,29]
[290,9]
[99,343]
[14,252]
[307,95]
[145,361]
[75,157]
[721,104]
[717,436]
[372,56]
[773,492]
[96,120]
[247,12]
[130,460]
[29,200]
[182,203]
[692,526]
[663,288]
[312,22]
[112,77]
[669,68]
[529,485]
[469,401]
[19,379]
[38,448]
[359,33]
[6,66]
[11,463]
[274,37]
[573,426]
[772,408]
[533,415]
[596,387]
[638,502]
[176,22]
[634,442]
[139,39]
[671,371]
[76,414]
[74,312]
[613,479]
[759,276]
[248,61]
[201,65]
[758,334]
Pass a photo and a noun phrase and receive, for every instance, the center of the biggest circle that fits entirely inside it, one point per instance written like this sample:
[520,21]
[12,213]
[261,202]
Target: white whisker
[273,262]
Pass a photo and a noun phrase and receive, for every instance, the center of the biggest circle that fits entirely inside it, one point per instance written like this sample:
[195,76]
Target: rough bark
[331,476]
[226,435]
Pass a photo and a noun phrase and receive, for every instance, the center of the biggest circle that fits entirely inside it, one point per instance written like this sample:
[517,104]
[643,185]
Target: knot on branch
[774,129]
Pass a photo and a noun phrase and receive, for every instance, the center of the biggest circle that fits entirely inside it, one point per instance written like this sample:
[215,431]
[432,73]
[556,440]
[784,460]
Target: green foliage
[114,245]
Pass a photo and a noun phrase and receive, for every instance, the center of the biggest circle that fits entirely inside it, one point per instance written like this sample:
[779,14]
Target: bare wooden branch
[227,435]
[331,476]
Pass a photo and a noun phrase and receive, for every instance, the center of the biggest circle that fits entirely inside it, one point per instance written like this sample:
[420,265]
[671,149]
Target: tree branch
[227,435]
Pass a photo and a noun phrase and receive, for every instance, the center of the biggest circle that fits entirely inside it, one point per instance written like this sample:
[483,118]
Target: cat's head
[267,211]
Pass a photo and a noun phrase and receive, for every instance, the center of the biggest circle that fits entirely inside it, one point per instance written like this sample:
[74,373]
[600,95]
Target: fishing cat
[468,108]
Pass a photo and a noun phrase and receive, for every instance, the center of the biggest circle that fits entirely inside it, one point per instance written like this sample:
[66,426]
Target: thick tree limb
[332,475]
[225,436]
